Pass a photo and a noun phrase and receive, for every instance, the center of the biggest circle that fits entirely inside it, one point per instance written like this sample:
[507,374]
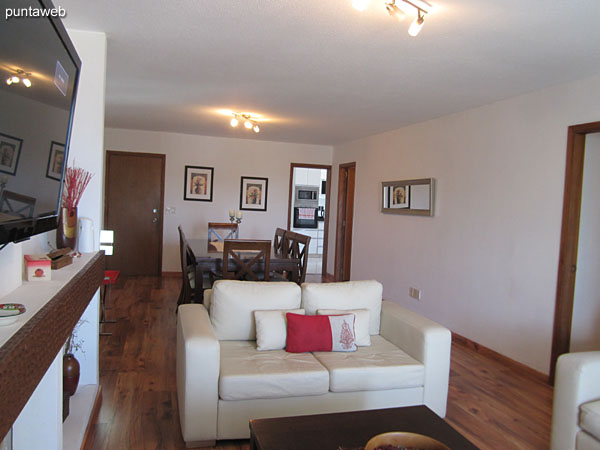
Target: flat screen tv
[40,71]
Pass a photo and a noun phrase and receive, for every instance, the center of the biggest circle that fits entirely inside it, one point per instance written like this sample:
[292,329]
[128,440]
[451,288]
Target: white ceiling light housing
[415,27]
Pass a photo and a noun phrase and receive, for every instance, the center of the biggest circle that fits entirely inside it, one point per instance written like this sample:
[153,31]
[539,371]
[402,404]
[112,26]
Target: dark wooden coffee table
[350,429]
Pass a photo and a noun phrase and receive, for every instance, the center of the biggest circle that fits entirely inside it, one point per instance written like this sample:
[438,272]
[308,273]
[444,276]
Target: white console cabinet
[31,353]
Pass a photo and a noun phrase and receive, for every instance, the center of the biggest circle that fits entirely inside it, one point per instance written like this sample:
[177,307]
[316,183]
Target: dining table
[209,257]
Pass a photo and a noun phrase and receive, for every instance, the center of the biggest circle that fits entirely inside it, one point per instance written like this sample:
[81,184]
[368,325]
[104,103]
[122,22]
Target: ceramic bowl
[10,312]
[401,440]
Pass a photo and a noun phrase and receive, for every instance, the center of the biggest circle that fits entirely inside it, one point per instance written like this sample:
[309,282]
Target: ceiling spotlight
[394,11]
[360,5]
[399,8]
[416,26]
[18,76]
[250,120]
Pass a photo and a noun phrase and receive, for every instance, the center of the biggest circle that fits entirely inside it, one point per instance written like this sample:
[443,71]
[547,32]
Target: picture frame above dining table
[198,183]
[411,197]
[254,193]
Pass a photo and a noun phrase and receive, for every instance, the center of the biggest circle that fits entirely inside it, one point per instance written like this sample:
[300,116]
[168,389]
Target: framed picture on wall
[10,150]
[198,185]
[56,159]
[399,196]
[253,193]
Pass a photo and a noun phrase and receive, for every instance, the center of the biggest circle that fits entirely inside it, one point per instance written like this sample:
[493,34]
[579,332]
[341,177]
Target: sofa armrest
[577,376]
[198,355]
[426,341]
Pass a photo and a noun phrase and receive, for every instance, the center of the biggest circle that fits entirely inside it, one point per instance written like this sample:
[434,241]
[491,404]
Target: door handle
[155,220]
[154,210]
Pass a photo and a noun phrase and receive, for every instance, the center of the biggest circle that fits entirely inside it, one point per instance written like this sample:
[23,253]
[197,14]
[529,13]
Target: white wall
[585,331]
[487,261]
[87,139]
[231,159]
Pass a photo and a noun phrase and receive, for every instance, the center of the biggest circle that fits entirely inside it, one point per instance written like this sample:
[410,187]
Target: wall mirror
[414,197]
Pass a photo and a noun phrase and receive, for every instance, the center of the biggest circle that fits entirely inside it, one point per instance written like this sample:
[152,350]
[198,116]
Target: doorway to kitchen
[308,210]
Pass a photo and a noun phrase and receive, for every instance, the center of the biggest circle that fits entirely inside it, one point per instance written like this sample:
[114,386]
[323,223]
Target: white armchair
[576,410]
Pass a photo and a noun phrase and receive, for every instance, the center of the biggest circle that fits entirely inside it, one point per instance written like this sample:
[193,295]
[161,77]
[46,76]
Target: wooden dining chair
[297,245]
[278,240]
[246,259]
[192,280]
[279,248]
[221,231]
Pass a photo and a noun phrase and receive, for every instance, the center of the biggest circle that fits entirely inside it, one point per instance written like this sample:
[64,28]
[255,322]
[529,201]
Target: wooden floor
[492,405]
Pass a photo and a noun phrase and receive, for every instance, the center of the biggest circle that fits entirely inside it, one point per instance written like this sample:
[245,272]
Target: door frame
[569,240]
[160,156]
[343,258]
[327,196]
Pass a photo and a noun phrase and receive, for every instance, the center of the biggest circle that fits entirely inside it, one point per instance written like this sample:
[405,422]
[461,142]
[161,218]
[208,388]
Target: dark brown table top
[350,429]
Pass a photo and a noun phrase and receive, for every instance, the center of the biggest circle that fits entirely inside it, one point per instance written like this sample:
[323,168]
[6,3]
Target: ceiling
[322,72]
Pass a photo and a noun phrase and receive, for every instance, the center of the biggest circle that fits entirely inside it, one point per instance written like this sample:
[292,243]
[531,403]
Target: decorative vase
[70,373]
[67,226]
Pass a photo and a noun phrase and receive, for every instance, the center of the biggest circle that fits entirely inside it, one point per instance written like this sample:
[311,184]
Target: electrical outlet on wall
[414,293]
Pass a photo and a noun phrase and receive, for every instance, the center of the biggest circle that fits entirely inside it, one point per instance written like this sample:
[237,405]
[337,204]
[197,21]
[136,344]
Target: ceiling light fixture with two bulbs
[398,9]
[249,122]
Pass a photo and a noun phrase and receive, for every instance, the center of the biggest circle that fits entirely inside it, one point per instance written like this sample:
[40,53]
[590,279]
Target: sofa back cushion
[345,295]
[233,304]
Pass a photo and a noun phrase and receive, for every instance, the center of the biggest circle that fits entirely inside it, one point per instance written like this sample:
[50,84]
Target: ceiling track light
[19,76]
[399,10]
[249,122]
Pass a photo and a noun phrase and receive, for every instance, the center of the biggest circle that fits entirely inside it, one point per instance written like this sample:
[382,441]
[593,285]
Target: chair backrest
[246,259]
[278,240]
[220,231]
[187,262]
[17,204]
[297,245]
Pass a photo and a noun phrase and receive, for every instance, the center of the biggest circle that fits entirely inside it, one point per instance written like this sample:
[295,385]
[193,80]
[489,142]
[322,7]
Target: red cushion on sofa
[308,333]
[320,333]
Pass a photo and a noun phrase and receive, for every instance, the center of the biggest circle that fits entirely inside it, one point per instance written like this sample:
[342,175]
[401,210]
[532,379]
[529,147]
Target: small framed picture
[253,193]
[56,159]
[399,196]
[198,184]
[10,150]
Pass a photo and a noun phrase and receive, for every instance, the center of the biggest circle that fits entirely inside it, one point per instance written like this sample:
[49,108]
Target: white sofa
[223,381]
[576,410]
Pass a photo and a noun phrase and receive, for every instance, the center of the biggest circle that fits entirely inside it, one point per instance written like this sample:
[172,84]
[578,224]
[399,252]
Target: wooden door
[133,205]
[345,217]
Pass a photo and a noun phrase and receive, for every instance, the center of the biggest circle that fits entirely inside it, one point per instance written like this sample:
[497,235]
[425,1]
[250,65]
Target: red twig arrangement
[76,180]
